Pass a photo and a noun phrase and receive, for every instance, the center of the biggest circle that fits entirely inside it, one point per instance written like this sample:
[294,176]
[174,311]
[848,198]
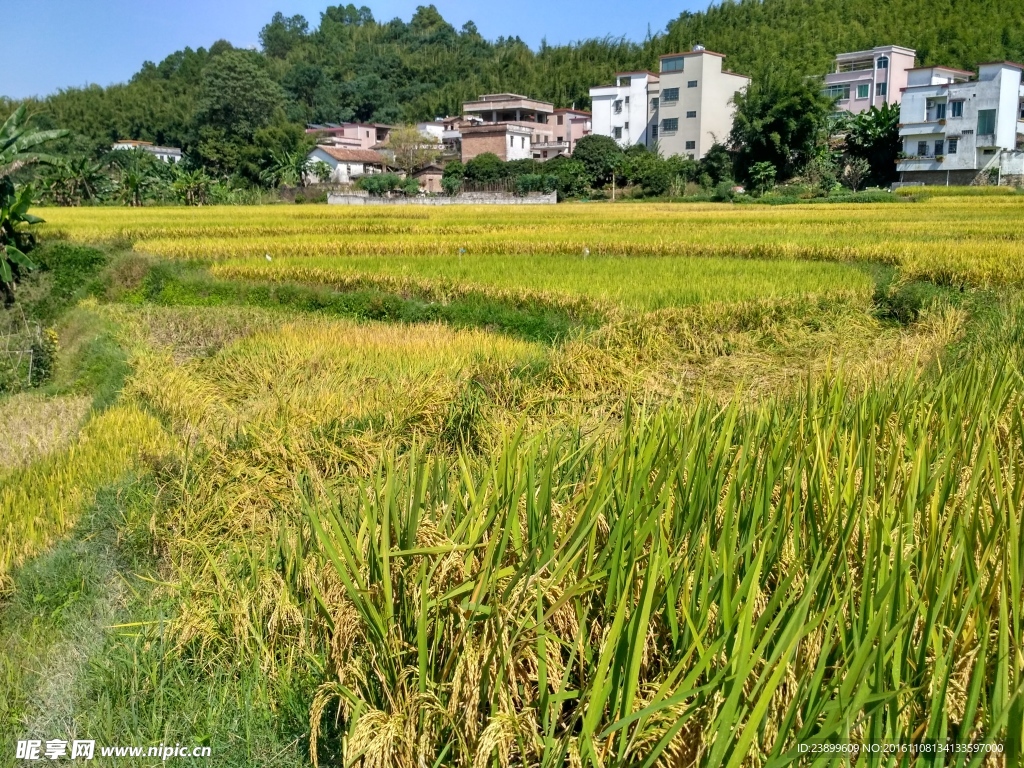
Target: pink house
[350,135]
[567,127]
[865,79]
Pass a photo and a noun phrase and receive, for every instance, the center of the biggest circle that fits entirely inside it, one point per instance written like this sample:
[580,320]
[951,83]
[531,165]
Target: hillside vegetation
[349,66]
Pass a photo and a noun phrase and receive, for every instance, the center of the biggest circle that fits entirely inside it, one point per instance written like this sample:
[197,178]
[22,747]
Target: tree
[237,96]
[283,34]
[287,168]
[71,181]
[762,176]
[855,172]
[138,176]
[716,166]
[191,187]
[600,156]
[485,168]
[779,120]
[874,136]
[411,149]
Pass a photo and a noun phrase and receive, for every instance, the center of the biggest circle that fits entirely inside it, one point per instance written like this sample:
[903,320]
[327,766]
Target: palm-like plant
[137,177]
[19,143]
[287,168]
[14,205]
[18,149]
[75,180]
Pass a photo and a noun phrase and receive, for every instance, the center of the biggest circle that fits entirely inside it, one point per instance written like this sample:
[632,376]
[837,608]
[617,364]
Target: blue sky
[55,44]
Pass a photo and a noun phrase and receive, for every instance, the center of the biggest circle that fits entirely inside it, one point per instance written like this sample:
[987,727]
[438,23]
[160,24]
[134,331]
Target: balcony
[986,141]
[933,127]
[920,163]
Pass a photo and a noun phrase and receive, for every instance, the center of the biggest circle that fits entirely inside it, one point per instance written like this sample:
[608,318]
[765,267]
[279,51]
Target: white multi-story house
[683,110]
[627,111]
[865,79]
[958,128]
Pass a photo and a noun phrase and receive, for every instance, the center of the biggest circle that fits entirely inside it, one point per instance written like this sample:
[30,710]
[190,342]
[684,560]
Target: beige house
[682,110]
[429,177]
[695,102]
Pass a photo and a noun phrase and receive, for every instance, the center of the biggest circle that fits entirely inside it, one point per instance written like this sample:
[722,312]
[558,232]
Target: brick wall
[474,144]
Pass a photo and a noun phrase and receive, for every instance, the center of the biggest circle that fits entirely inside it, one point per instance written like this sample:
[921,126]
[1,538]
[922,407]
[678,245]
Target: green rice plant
[41,501]
[714,586]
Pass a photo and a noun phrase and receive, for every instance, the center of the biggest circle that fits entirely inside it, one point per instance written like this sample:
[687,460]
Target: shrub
[379,184]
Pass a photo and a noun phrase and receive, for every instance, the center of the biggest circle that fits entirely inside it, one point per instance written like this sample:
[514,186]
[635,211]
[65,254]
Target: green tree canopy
[780,120]
[238,96]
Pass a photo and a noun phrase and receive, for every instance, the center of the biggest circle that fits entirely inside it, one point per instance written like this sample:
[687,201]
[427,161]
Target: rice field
[764,510]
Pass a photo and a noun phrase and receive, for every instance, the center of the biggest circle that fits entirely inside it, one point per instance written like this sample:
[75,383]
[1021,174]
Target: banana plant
[14,205]
[18,143]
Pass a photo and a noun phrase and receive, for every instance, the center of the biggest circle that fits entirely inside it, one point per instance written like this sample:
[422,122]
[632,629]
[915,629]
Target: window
[560,139]
[626,126]
[940,111]
[692,113]
[691,145]
[522,142]
[670,94]
[618,106]
[986,121]
[863,90]
[654,131]
[922,149]
[938,147]
[367,134]
[617,132]
[511,141]
[670,124]
[627,99]
[952,145]
[691,83]
[956,109]
[881,89]
[841,91]
[689,157]
[560,120]
[672,65]
[654,103]
[1021,115]
[625,80]
[883,62]
[544,153]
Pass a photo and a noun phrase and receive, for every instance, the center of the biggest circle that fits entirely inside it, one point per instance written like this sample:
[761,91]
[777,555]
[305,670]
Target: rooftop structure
[864,79]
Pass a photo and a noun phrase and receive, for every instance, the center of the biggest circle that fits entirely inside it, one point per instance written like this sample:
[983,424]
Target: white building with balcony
[861,80]
[683,110]
[627,111]
[958,128]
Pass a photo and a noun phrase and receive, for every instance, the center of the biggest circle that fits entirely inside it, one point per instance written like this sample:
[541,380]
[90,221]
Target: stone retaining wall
[465,198]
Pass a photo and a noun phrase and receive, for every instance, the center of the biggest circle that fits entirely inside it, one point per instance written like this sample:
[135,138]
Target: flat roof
[691,53]
[1002,64]
[574,111]
[638,72]
[942,69]
[876,49]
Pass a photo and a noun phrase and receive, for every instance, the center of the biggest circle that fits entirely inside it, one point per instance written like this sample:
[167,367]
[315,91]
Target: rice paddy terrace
[614,485]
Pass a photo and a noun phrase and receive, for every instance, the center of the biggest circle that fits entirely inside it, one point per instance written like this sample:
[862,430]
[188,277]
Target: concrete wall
[466,198]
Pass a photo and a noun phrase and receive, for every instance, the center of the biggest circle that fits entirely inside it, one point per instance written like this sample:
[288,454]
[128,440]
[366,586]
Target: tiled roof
[352,155]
